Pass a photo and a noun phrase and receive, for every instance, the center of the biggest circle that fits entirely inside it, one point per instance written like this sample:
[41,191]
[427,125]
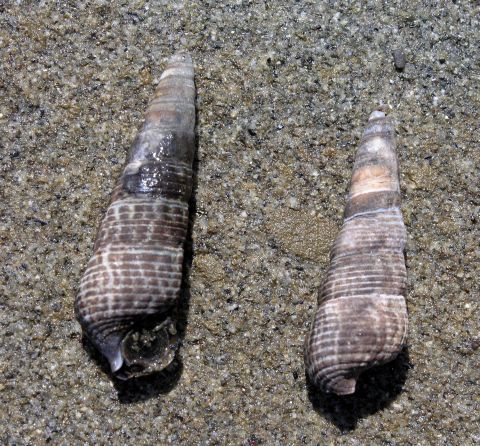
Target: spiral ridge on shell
[136,268]
[361,319]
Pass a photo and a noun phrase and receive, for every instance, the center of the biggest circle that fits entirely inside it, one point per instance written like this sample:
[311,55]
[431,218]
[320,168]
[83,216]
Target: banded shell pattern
[361,319]
[136,268]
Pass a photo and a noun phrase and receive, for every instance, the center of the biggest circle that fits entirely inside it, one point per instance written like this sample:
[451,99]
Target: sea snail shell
[361,319]
[136,268]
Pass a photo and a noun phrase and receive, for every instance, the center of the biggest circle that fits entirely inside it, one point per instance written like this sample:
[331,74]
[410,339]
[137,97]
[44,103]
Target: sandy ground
[284,90]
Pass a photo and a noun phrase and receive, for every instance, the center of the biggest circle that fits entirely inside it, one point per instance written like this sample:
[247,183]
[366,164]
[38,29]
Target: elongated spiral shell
[361,319]
[136,268]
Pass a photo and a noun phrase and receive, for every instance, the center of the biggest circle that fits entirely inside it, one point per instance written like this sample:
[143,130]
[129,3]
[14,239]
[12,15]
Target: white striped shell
[361,320]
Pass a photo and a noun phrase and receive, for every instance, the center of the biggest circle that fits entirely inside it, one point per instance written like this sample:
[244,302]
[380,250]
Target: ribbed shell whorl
[361,319]
[136,268]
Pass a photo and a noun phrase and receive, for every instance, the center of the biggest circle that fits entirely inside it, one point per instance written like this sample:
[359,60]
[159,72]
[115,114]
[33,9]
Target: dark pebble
[399,59]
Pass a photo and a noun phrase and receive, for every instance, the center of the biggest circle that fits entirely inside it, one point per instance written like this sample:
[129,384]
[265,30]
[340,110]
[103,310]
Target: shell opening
[343,386]
[147,350]
[116,362]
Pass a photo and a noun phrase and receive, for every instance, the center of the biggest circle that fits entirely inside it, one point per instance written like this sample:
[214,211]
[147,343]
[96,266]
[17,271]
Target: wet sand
[284,91]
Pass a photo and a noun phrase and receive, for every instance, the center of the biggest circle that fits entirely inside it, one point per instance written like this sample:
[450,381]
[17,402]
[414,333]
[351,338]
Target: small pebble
[475,343]
[399,59]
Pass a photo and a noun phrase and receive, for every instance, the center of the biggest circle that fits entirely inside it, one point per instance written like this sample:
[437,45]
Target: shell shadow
[377,388]
[143,388]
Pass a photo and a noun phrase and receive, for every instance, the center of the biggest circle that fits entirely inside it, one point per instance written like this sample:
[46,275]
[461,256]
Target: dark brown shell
[136,268]
[361,320]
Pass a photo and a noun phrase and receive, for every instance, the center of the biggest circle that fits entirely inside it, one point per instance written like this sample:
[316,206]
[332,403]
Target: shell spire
[361,319]
[136,269]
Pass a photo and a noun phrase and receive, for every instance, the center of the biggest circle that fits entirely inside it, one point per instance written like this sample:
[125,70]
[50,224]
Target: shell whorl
[361,319]
[136,268]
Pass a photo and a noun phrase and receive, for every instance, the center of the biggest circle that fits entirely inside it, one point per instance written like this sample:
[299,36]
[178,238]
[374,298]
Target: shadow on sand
[377,388]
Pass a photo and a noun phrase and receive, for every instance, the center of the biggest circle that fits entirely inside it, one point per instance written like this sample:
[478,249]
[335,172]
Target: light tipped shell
[361,319]
[136,268]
